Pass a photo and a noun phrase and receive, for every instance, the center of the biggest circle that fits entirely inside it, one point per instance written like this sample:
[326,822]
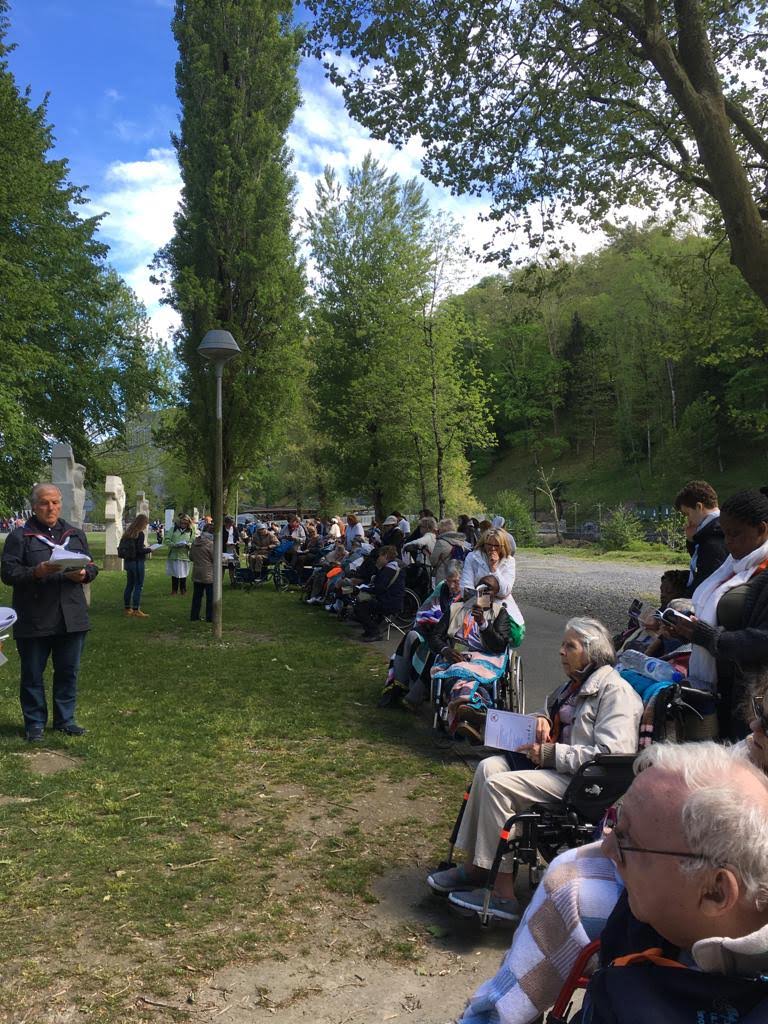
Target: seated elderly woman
[470,643]
[326,569]
[493,554]
[595,711]
[424,542]
[410,664]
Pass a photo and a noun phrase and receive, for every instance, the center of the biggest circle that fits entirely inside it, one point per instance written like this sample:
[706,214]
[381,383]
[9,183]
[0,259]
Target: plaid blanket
[568,911]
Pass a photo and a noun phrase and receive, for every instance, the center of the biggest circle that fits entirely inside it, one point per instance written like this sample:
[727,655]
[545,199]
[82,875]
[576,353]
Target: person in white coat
[493,554]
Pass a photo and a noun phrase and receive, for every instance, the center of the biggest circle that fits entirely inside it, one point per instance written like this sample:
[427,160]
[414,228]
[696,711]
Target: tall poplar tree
[232,264]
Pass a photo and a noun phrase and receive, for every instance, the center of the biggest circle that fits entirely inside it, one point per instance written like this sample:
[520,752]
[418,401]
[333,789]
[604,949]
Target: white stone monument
[195,517]
[170,515]
[142,505]
[113,518]
[69,477]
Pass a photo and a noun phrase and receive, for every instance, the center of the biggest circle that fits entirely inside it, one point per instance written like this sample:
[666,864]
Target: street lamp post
[218,347]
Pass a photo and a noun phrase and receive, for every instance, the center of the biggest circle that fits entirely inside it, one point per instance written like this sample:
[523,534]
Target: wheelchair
[507,692]
[535,836]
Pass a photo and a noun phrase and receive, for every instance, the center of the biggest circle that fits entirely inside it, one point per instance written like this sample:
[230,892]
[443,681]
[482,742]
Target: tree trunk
[672,391]
[440,488]
[689,71]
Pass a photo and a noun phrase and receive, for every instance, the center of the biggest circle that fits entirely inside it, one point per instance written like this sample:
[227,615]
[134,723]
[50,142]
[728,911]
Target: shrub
[623,531]
[519,521]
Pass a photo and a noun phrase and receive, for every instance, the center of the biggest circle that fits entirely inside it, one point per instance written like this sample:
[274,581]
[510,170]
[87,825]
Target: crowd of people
[680,869]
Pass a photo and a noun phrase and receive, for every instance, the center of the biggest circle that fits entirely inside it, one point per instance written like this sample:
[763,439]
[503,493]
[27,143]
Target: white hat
[390,521]
[498,522]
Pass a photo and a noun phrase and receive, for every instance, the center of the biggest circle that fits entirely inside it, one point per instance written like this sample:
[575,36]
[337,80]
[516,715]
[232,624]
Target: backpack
[458,552]
[126,549]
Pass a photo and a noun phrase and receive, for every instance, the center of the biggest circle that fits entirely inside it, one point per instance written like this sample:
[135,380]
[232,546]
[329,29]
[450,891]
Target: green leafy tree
[517,515]
[76,352]
[232,263]
[367,241]
[569,107]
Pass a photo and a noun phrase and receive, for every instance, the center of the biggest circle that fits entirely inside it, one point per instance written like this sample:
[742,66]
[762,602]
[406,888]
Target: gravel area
[576,586]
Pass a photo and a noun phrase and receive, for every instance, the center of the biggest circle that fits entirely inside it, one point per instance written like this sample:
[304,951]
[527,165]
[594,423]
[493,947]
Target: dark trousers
[178,584]
[369,613]
[65,650]
[197,600]
[135,584]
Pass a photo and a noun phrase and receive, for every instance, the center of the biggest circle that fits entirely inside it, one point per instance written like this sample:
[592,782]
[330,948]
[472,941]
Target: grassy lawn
[644,554]
[177,840]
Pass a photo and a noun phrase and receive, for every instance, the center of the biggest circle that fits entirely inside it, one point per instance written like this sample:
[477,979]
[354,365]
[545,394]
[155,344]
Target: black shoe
[35,735]
[71,729]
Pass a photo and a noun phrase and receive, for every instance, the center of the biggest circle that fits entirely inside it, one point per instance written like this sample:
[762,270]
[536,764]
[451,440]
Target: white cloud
[139,200]
[112,94]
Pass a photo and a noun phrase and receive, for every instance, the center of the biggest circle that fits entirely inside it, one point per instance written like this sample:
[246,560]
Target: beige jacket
[201,556]
[606,720]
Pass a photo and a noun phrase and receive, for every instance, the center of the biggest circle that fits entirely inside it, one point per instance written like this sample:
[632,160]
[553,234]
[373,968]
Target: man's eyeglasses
[758,709]
[610,827]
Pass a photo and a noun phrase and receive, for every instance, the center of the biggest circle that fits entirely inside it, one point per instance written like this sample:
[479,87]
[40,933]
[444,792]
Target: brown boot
[128,612]
[139,614]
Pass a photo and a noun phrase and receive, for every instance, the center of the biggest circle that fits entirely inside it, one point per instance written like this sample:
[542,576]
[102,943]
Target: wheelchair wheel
[516,684]
[280,578]
[410,607]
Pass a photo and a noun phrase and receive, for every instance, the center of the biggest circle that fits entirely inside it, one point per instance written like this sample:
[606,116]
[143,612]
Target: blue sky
[108,67]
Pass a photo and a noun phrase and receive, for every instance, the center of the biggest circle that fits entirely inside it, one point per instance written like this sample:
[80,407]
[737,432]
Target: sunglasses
[759,712]
[610,828]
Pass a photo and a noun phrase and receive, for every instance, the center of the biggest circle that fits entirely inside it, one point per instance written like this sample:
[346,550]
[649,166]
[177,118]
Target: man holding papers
[40,561]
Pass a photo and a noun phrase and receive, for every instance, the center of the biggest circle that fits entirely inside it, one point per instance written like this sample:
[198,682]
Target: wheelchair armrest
[616,760]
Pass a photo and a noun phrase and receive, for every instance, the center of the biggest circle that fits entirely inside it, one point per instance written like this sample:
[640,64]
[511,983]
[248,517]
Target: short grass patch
[217,787]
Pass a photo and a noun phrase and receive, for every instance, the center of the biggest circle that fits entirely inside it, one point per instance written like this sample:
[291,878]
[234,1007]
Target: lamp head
[218,347]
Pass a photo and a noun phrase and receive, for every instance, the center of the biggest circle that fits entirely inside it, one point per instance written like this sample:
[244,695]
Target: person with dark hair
[133,550]
[201,557]
[729,631]
[384,596]
[704,538]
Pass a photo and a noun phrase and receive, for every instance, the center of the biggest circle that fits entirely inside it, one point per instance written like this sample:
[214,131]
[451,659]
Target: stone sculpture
[142,505]
[114,507]
[69,477]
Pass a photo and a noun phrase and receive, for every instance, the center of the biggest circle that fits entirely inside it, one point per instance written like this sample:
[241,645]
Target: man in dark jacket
[52,611]
[704,537]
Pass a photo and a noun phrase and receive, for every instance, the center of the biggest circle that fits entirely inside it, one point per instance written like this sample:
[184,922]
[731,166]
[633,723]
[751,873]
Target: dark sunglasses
[610,823]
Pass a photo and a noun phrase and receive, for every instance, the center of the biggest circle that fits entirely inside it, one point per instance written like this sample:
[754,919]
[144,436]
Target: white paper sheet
[506,730]
[7,618]
[68,561]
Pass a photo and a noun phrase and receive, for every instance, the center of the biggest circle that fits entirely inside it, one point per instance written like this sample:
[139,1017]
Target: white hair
[41,487]
[454,567]
[595,639]
[718,818]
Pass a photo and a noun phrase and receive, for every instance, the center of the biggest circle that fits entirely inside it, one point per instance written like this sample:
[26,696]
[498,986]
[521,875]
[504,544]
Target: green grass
[207,773]
[642,554]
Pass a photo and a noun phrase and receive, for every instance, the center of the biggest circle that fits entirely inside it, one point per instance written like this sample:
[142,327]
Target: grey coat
[607,714]
[201,557]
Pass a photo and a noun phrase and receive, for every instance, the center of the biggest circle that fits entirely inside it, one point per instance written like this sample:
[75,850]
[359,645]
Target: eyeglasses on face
[610,828]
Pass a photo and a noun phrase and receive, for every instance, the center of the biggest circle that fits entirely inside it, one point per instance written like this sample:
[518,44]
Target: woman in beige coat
[594,712]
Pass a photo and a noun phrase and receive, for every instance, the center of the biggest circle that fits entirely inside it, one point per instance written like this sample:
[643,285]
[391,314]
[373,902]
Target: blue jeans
[65,650]
[135,584]
[197,600]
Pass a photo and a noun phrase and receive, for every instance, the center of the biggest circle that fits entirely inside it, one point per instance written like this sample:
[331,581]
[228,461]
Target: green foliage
[657,349]
[517,514]
[556,109]
[622,531]
[233,264]
[399,395]
[75,349]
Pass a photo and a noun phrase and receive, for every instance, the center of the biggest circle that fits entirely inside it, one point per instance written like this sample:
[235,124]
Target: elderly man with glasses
[682,871]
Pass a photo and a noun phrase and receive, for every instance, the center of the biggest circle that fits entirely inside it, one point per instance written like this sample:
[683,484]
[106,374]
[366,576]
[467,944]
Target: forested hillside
[625,371]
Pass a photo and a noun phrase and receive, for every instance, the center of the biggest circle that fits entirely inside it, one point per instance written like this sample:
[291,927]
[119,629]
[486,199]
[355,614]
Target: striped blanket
[481,668]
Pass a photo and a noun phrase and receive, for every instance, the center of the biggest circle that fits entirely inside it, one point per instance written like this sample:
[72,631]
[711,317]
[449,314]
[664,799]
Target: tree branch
[748,131]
